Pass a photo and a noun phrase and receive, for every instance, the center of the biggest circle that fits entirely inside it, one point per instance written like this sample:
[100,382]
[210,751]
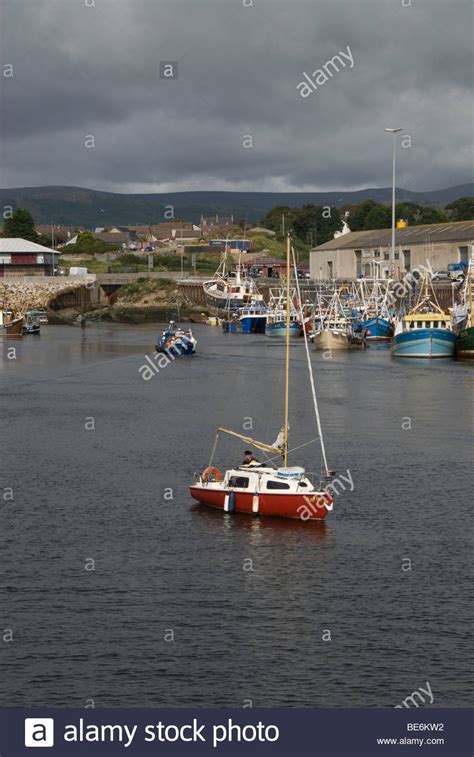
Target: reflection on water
[265,532]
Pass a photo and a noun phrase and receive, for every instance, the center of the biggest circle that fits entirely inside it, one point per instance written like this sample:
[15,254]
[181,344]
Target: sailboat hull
[303,507]
[424,343]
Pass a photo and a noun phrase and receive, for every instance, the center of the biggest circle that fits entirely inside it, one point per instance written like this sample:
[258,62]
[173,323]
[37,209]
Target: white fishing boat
[228,291]
[333,328]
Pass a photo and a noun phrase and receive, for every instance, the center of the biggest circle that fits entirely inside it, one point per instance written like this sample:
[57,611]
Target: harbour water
[118,589]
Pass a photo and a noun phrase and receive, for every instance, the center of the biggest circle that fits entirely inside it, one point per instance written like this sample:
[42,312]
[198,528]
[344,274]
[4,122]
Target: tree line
[316,224]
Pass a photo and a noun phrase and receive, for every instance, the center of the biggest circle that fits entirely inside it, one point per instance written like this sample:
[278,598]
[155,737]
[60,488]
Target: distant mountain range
[75,206]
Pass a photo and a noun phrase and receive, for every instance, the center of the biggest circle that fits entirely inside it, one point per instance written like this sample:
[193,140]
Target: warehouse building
[19,257]
[365,253]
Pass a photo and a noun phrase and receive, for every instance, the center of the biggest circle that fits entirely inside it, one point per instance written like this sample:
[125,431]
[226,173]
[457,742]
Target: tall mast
[287,356]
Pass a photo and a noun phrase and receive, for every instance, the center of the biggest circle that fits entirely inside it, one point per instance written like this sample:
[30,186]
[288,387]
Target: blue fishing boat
[278,328]
[276,320]
[373,319]
[424,332]
[253,318]
[376,329]
[176,342]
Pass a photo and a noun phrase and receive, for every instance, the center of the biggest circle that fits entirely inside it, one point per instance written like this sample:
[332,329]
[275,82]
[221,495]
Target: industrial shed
[363,253]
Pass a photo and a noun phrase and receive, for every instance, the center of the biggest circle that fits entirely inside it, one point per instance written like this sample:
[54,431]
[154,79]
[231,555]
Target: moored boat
[333,329]
[253,317]
[31,323]
[463,318]
[228,291]
[424,332]
[10,324]
[464,347]
[278,321]
[377,329]
[374,320]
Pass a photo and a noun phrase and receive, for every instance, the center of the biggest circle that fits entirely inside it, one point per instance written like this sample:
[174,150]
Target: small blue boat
[376,329]
[176,342]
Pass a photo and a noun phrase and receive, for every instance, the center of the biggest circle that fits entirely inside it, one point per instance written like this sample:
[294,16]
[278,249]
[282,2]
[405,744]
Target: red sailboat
[270,489]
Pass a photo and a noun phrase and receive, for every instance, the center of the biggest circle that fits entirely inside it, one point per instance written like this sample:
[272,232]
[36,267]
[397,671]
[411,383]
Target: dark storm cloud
[82,70]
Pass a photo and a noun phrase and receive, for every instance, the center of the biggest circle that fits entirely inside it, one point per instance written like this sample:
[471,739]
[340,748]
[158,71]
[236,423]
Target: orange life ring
[211,474]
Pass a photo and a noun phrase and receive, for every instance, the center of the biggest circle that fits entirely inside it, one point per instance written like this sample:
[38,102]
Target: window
[397,256]
[239,482]
[303,483]
[386,256]
[277,485]
[376,253]
[407,260]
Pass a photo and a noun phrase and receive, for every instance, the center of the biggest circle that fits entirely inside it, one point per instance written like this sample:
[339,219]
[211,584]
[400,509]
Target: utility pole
[392,249]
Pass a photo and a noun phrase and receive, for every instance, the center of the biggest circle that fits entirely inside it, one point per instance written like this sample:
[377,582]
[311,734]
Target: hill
[72,206]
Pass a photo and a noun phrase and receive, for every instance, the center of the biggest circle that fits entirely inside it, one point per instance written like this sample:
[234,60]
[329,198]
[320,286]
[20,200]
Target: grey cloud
[81,70]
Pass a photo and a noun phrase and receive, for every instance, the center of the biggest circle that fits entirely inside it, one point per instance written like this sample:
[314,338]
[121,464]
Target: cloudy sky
[91,68]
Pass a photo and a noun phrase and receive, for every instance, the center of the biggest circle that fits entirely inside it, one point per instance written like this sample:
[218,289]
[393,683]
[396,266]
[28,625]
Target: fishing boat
[31,323]
[10,324]
[374,320]
[253,317]
[228,291]
[333,328]
[463,319]
[176,341]
[41,314]
[425,331]
[278,319]
[268,489]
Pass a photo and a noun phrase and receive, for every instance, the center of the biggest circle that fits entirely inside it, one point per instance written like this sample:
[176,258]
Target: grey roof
[16,244]
[431,232]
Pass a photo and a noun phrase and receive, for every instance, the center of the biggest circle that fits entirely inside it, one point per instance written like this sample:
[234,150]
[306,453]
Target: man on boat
[249,460]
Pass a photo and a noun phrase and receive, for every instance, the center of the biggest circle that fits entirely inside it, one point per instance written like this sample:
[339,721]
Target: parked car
[440,276]
[457,271]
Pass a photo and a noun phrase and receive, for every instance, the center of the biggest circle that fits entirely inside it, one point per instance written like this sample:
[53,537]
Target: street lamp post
[392,248]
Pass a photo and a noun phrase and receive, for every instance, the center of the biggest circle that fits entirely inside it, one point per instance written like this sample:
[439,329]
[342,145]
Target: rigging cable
[310,368]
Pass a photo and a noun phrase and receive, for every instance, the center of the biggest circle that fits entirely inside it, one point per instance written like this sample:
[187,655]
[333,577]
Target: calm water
[167,568]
